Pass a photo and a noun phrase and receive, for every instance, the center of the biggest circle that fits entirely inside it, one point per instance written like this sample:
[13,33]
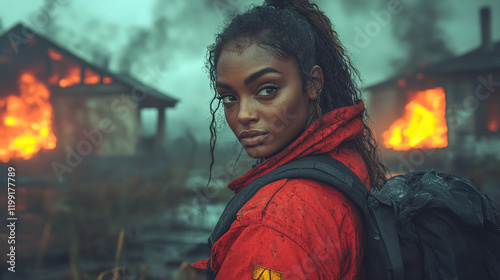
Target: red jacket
[300,228]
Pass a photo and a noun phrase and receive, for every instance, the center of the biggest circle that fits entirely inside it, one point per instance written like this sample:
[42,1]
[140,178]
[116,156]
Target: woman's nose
[247,111]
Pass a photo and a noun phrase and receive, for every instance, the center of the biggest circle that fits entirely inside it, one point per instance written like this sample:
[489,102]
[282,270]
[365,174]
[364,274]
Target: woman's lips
[252,138]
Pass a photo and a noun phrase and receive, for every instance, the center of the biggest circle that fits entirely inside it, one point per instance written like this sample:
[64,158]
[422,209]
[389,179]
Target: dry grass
[99,217]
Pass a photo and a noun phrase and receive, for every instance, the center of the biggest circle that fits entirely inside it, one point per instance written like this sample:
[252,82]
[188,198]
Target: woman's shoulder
[292,203]
[314,198]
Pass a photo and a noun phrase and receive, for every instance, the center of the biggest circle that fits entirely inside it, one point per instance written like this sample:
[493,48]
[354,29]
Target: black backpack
[422,225]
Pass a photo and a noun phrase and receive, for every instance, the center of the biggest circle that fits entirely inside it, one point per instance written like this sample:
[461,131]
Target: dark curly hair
[298,29]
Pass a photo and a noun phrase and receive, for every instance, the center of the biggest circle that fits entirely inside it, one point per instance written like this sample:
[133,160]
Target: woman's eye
[227,99]
[267,91]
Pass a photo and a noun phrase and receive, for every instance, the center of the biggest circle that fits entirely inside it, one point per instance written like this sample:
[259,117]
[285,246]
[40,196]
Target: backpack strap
[328,170]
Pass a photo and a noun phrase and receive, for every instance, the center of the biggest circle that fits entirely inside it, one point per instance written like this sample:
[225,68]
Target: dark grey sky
[163,43]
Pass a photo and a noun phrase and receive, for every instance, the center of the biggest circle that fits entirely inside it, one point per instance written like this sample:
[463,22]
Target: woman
[285,84]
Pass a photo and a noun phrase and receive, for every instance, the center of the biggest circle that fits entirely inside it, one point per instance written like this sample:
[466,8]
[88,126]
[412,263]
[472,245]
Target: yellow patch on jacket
[262,273]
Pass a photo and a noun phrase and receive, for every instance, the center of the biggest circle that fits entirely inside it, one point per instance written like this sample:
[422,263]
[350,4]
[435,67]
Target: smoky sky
[416,28]
[420,33]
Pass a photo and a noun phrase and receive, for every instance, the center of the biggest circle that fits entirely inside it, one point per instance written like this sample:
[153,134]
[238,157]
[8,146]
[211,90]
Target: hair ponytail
[318,20]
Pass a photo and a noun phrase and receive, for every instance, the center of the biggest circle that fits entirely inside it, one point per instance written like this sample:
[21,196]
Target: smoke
[46,17]
[417,28]
[419,31]
[176,27]
[51,20]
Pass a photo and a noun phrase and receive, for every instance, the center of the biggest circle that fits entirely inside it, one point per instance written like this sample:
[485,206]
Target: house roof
[479,59]
[21,34]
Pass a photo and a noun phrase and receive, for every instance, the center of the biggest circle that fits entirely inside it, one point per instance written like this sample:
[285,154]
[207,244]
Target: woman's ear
[316,82]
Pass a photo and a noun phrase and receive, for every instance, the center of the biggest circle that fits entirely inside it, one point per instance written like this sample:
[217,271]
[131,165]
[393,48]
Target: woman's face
[264,104]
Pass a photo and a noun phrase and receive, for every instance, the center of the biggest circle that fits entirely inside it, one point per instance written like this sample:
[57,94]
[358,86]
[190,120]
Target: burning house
[59,114]
[53,104]
[443,116]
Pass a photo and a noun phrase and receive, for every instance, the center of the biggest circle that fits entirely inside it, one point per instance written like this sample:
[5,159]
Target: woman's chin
[258,151]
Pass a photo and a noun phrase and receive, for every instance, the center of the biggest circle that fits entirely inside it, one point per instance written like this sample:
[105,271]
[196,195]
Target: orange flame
[107,80]
[54,55]
[27,120]
[493,114]
[493,125]
[73,76]
[423,124]
[68,73]
[91,77]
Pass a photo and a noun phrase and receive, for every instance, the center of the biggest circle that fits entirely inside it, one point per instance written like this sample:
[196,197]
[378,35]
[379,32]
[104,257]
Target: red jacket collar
[338,126]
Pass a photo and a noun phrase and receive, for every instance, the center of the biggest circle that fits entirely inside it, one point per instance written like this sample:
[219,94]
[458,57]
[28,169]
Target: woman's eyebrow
[251,78]
[259,73]
[222,85]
